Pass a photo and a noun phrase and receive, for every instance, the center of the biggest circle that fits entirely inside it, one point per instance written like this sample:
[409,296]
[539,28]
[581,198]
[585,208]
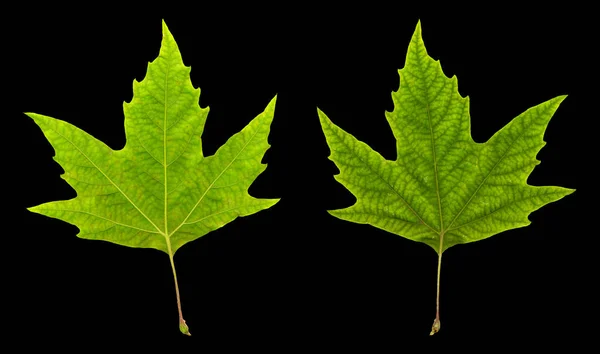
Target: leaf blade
[438,163]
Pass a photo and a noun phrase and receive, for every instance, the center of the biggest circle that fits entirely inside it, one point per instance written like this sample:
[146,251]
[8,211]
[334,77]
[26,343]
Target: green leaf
[443,189]
[159,191]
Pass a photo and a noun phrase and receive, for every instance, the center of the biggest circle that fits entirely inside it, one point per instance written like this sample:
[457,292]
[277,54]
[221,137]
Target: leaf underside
[443,189]
[159,191]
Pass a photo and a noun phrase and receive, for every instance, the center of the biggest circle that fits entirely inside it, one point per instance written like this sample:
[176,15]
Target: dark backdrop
[293,276]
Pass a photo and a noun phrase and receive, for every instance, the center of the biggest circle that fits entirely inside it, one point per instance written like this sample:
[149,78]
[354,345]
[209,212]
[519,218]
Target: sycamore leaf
[159,191]
[443,189]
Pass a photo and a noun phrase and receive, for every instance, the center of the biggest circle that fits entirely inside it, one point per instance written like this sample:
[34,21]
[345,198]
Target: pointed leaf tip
[322,116]
[268,113]
[39,119]
[166,33]
[271,104]
[28,114]
[31,115]
[418,28]
[561,98]
[416,48]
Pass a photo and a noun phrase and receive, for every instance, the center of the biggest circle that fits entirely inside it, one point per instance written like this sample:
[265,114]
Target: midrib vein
[435,171]
[166,196]
[437,191]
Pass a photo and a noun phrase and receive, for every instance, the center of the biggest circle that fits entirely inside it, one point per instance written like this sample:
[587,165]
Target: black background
[293,276]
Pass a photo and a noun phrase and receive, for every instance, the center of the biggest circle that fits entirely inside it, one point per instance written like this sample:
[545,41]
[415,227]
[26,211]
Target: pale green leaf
[159,191]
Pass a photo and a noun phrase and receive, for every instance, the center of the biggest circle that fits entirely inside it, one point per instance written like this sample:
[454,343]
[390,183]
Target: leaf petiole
[183,327]
[436,323]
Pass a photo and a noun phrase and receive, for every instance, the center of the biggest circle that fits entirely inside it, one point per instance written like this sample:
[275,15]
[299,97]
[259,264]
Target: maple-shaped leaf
[159,191]
[443,189]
